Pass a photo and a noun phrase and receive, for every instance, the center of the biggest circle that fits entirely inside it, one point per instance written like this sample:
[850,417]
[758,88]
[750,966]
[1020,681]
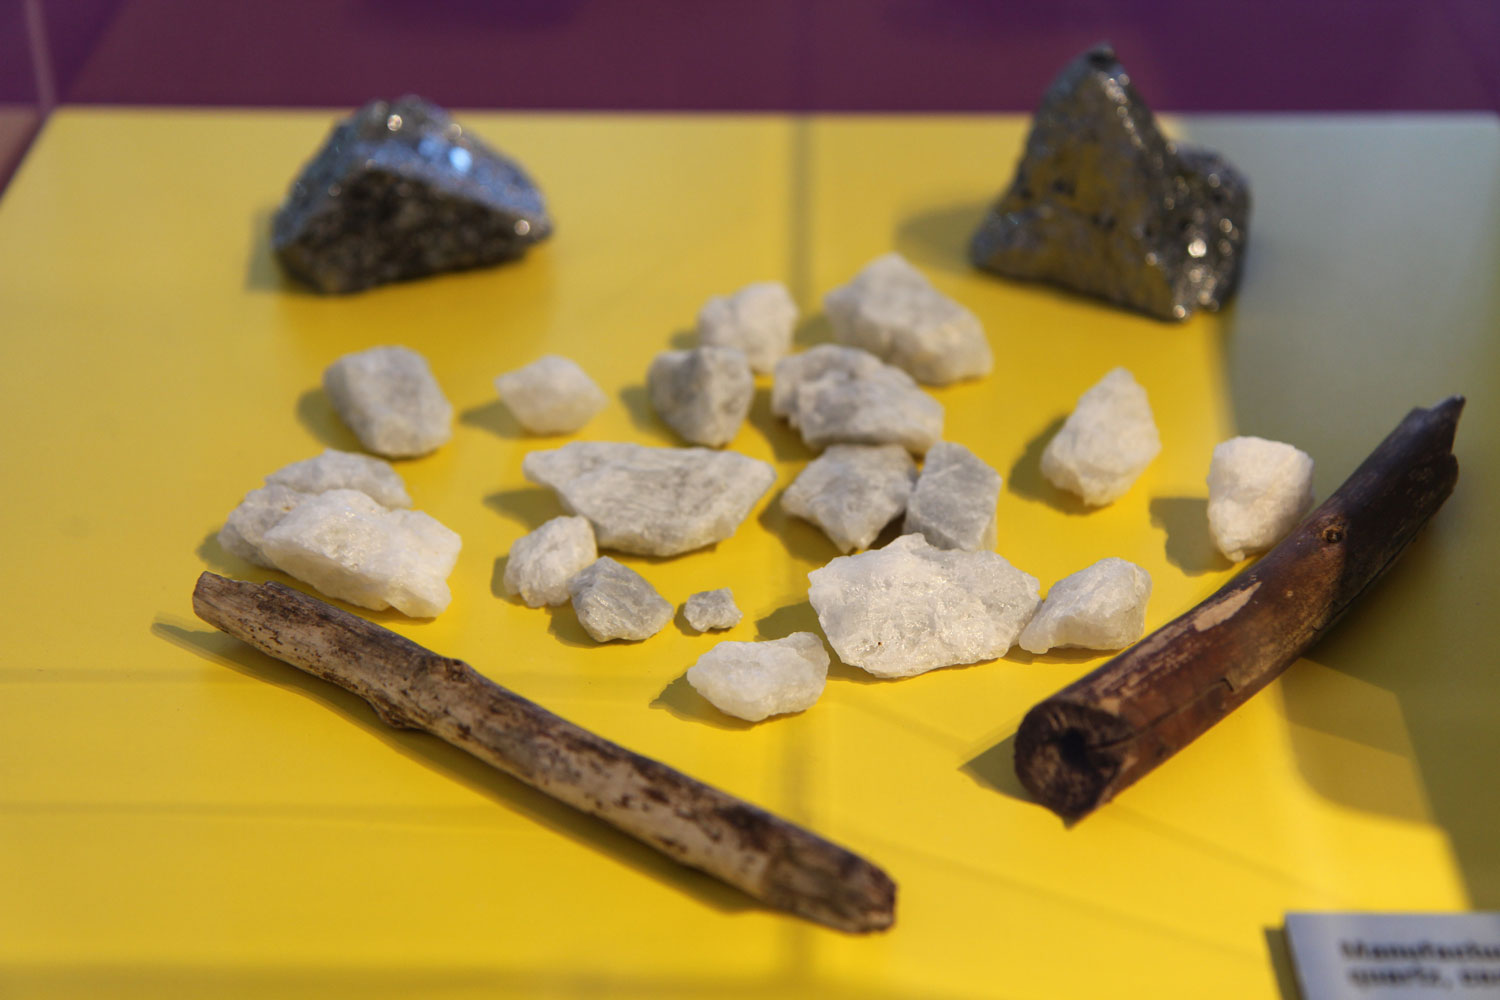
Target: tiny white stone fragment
[1106,442]
[834,395]
[953,504]
[552,395]
[542,562]
[758,319]
[852,491]
[390,400]
[615,602]
[712,609]
[258,513]
[909,608]
[344,470]
[891,310]
[755,680]
[1257,492]
[703,394]
[1100,607]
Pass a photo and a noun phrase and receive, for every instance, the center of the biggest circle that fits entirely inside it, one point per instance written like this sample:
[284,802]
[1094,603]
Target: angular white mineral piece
[390,400]
[1106,442]
[703,394]
[1101,607]
[754,680]
[758,319]
[909,608]
[344,470]
[852,491]
[350,547]
[542,562]
[552,395]
[615,602]
[712,609]
[834,395]
[258,513]
[652,501]
[891,310]
[953,505]
[1257,492]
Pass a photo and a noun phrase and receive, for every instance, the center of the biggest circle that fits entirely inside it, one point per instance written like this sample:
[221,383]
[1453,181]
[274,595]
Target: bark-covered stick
[410,687]
[1078,748]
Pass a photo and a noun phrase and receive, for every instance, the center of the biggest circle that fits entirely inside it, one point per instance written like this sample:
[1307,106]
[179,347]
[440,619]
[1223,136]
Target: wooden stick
[410,687]
[1077,749]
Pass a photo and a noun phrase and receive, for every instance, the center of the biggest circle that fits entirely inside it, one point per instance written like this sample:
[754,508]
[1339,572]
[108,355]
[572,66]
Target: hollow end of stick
[1068,756]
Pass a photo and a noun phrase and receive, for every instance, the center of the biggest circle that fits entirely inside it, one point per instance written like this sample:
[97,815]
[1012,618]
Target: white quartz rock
[753,680]
[953,504]
[703,394]
[891,310]
[1106,442]
[834,395]
[758,319]
[350,547]
[552,395]
[852,491]
[1257,492]
[712,609]
[388,397]
[909,608]
[615,602]
[1101,607]
[344,470]
[258,513]
[542,562]
[652,501]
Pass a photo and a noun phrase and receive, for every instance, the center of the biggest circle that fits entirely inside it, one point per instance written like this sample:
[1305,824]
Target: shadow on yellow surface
[1190,546]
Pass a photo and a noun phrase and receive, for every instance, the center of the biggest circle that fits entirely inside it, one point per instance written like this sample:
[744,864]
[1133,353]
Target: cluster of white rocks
[390,400]
[552,395]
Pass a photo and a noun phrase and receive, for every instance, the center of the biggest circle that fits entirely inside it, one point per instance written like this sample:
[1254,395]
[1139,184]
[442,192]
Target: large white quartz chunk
[909,608]
[891,310]
[552,395]
[758,319]
[851,491]
[652,501]
[834,394]
[953,505]
[1257,492]
[615,602]
[753,680]
[1101,607]
[350,547]
[703,394]
[344,470]
[542,562]
[390,400]
[712,609]
[1106,442]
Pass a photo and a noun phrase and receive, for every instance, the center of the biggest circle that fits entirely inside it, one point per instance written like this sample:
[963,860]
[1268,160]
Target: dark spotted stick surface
[410,687]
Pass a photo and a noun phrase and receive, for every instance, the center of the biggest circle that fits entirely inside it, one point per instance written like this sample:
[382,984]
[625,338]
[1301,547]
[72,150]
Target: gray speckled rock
[615,602]
[703,394]
[712,609]
[390,400]
[542,562]
[843,395]
[755,680]
[1100,607]
[852,491]
[953,505]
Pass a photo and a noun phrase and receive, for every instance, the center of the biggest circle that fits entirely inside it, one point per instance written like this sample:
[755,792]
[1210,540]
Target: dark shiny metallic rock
[400,191]
[1104,204]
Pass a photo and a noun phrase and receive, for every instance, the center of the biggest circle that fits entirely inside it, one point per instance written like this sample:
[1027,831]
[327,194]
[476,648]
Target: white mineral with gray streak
[1101,607]
[1257,492]
[712,609]
[615,602]
[909,608]
[835,395]
[953,505]
[542,562]
[390,400]
[703,394]
[344,470]
[754,680]
[552,395]
[891,310]
[652,501]
[852,491]
[758,319]
[1106,442]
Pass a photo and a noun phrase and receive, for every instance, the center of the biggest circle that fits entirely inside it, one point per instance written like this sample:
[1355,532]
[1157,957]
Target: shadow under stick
[1077,749]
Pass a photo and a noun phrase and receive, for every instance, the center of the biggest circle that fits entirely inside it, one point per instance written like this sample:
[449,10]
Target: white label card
[1395,956]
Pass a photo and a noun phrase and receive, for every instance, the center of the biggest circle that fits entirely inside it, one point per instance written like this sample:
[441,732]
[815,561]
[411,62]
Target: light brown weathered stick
[410,687]
[1078,748]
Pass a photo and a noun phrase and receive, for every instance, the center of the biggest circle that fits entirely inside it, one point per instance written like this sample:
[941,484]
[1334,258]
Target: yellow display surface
[182,816]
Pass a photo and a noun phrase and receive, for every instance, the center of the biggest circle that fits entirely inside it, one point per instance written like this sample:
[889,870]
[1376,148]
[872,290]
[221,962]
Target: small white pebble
[1106,442]
[843,395]
[852,491]
[1257,492]
[703,394]
[953,504]
[1100,607]
[754,680]
[389,399]
[552,395]
[758,319]
[712,609]
[615,602]
[542,562]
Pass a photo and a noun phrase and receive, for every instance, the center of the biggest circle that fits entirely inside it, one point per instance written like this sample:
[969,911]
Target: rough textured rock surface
[390,400]
[843,395]
[542,562]
[703,394]
[1257,492]
[909,608]
[754,680]
[259,512]
[615,602]
[1104,204]
[891,310]
[1106,442]
[852,491]
[552,395]
[953,504]
[1101,607]
[344,470]
[652,501]
[712,609]
[758,319]
[400,190]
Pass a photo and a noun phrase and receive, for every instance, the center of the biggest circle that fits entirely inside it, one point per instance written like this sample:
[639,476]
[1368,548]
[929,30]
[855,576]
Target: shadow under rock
[995,769]
[530,506]
[1190,545]
[682,701]
[939,237]
[1026,479]
[496,418]
[637,402]
[217,559]
[786,444]
[262,272]
[803,539]
[812,330]
[683,340]
[566,628]
[316,413]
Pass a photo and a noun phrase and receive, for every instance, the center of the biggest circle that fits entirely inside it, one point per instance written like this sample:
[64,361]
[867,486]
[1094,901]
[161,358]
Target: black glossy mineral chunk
[1104,204]
[399,191]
